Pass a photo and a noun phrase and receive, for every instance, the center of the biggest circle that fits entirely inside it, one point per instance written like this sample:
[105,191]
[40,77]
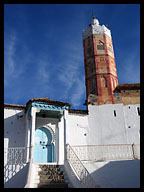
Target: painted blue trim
[29,111]
[52,145]
[47,107]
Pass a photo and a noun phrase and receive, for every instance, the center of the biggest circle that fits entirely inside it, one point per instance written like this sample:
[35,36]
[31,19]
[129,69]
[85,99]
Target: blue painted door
[43,148]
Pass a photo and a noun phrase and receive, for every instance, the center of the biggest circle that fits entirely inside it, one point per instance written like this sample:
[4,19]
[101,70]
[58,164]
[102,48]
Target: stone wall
[130,97]
[127,94]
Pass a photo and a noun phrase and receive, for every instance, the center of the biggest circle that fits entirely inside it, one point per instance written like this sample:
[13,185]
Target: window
[109,49]
[103,82]
[114,113]
[138,110]
[101,59]
[100,47]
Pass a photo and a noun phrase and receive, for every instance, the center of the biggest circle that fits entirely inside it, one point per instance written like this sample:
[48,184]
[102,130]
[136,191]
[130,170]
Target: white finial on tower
[94,21]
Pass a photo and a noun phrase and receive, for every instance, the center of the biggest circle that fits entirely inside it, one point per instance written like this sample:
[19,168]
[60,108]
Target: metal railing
[104,152]
[82,173]
[16,156]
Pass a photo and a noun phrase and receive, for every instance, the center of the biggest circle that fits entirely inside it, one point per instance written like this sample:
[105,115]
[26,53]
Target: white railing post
[136,151]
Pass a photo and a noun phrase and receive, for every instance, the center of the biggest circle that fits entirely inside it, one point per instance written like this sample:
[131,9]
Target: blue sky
[43,50]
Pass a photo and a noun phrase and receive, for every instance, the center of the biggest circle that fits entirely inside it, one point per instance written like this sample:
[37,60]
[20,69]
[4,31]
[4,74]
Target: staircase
[50,176]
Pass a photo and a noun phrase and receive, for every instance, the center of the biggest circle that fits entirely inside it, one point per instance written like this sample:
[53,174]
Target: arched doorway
[43,146]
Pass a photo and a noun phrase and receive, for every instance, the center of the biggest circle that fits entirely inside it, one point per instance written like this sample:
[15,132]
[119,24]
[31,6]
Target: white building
[91,145]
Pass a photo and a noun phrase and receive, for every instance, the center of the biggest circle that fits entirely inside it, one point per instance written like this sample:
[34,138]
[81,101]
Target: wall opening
[138,110]
[103,82]
[114,113]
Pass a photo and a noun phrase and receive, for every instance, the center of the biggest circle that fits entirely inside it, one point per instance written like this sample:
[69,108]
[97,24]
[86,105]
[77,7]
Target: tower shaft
[100,69]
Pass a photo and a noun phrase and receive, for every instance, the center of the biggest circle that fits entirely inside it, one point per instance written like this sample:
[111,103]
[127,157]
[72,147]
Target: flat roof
[128,86]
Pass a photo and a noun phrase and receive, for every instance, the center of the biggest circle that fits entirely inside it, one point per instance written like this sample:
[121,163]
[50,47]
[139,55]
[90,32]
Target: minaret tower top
[95,28]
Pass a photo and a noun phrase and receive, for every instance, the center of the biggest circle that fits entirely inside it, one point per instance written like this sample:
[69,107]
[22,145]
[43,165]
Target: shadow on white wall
[116,174]
[15,175]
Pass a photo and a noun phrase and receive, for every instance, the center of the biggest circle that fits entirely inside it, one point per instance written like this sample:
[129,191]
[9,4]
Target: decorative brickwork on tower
[100,69]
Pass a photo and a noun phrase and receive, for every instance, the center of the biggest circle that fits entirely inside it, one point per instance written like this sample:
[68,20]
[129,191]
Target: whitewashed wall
[105,127]
[14,136]
[14,127]
[101,126]
[132,122]
[77,128]
[105,124]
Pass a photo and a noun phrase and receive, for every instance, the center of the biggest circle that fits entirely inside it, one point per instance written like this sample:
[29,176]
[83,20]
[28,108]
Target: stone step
[49,166]
[50,176]
[50,173]
[52,181]
[50,170]
[53,178]
[53,185]
[45,176]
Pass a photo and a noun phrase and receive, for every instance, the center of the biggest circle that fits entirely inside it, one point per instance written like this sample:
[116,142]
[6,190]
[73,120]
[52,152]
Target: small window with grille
[100,47]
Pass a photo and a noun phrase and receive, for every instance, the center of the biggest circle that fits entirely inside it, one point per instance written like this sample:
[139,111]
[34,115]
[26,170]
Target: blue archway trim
[48,107]
[52,152]
[48,133]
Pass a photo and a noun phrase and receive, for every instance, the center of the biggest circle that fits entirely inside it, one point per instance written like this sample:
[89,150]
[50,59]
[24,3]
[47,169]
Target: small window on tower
[101,59]
[103,82]
[109,48]
[100,47]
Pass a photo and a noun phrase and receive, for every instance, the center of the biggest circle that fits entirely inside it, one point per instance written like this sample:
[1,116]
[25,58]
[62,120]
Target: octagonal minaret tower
[100,69]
